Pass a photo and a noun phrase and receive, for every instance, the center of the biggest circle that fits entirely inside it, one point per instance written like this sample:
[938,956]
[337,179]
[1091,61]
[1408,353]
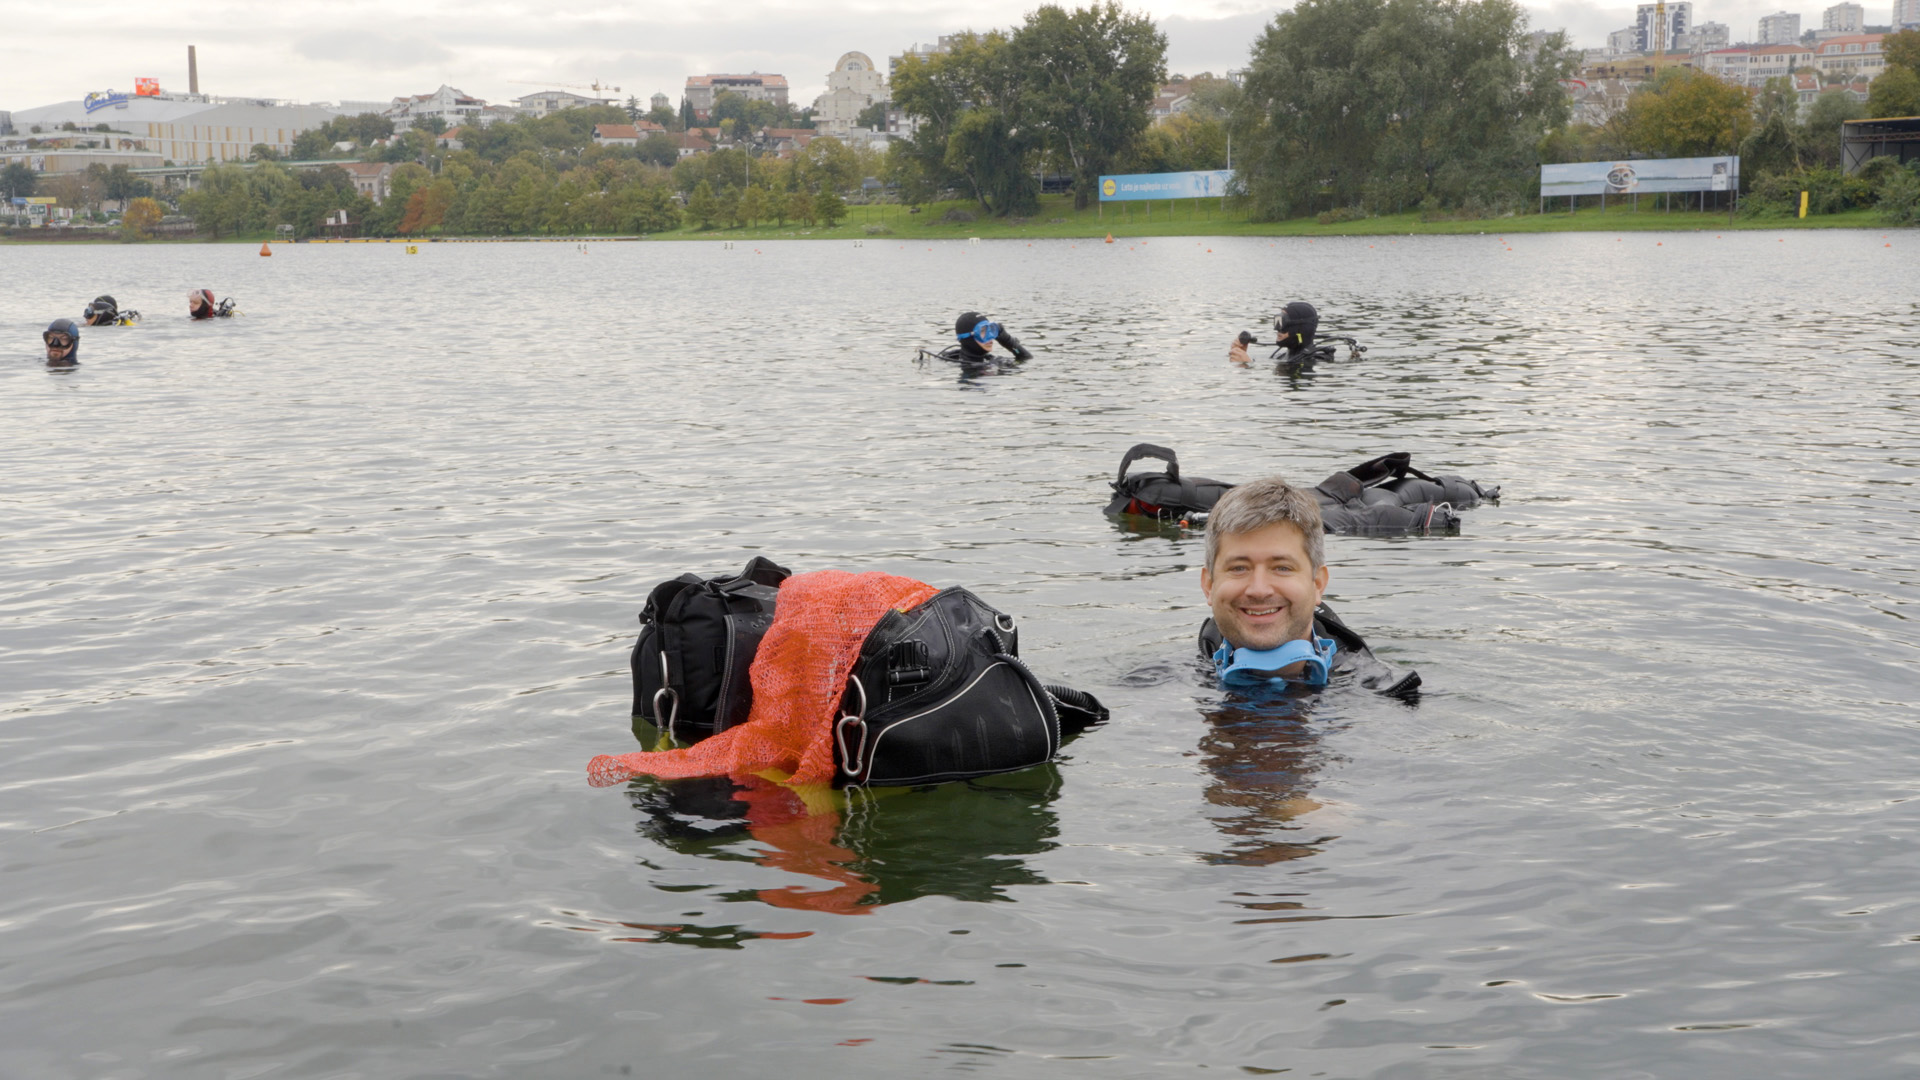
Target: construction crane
[596,86]
[1660,27]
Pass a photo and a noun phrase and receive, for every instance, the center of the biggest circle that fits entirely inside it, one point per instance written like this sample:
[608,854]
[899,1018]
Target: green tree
[753,204]
[1902,49]
[800,207]
[1771,151]
[1776,97]
[1090,75]
[1894,92]
[632,109]
[971,135]
[1389,102]
[1820,135]
[650,209]
[1687,113]
[702,207]
[829,164]
[432,125]
[728,206]
[17,181]
[829,207]
[141,215]
[665,117]
[873,116]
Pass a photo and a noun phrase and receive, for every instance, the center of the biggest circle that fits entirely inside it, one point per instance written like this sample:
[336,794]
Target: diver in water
[1264,578]
[62,339]
[1296,326]
[105,311]
[976,336]
[200,305]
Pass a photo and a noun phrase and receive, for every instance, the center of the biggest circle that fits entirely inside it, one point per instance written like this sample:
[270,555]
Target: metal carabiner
[672,696]
[851,761]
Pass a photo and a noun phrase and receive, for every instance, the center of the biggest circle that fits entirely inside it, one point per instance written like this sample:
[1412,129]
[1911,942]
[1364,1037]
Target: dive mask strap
[1256,666]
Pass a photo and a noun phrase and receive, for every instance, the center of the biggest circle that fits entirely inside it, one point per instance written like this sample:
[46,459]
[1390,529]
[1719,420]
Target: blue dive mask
[984,331]
[1256,667]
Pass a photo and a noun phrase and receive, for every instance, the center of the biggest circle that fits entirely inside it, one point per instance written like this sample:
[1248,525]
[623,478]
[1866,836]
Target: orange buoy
[1109,238]
[264,250]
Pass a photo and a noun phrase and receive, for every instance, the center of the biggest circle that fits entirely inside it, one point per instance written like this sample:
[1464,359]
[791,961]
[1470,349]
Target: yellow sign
[1803,204]
[41,200]
[1108,188]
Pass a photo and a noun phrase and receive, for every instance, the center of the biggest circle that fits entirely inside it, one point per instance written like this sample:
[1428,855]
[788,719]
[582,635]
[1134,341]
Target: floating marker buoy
[264,250]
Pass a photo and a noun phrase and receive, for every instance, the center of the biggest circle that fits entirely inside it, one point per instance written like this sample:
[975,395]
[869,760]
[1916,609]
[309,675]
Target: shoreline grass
[1058,220]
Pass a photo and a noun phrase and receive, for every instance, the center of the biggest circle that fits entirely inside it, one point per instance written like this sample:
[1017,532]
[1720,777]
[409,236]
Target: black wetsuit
[1352,660]
[970,351]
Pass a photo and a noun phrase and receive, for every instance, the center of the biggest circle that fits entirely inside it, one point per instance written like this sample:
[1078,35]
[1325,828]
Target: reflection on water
[873,846]
[1261,760]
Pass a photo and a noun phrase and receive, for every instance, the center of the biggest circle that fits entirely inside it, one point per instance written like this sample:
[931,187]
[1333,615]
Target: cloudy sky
[501,49]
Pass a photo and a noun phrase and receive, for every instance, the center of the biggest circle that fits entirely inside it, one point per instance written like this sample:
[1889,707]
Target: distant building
[1171,98]
[852,86]
[1625,42]
[1728,64]
[452,107]
[1774,61]
[660,101]
[1780,28]
[183,128]
[6,123]
[691,144]
[1654,36]
[374,179]
[1906,14]
[1706,37]
[702,89]
[552,101]
[448,140]
[616,135]
[1844,18]
[1855,55]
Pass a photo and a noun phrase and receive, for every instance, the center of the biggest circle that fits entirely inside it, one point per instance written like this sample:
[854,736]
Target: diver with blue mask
[1264,580]
[975,336]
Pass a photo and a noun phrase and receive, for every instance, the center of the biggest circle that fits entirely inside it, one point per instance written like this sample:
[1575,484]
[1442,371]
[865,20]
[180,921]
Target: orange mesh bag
[799,675]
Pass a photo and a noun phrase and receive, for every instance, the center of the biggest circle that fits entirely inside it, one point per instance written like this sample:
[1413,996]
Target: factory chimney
[193,72]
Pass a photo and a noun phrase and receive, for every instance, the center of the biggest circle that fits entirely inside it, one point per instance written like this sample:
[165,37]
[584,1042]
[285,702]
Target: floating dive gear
[1383,496]
[856,679]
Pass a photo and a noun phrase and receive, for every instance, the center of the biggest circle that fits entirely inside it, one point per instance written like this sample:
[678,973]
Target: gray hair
[1252,507]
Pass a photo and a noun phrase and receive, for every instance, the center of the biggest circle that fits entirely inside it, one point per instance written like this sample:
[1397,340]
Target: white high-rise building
[1906,14]
[1844,18]
[1647,23]
[1624,42]
[1780,28]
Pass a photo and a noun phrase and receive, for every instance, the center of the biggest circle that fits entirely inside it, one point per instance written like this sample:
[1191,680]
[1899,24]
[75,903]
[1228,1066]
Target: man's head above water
[1266,564]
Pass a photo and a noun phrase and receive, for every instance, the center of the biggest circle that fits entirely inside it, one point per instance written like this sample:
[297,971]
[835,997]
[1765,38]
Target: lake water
[310,621]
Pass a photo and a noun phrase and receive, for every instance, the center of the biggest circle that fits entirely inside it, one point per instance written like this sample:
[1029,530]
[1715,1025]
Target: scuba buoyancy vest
[1352,659]
[697,641]
[1162,495]
[937,692]
[1388,495]
[1383,496]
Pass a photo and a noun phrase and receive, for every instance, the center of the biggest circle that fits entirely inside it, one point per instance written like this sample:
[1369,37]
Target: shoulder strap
[1144,452]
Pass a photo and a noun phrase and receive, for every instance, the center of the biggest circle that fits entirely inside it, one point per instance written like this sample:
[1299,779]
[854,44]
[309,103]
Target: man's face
[59,346]
[1261,587]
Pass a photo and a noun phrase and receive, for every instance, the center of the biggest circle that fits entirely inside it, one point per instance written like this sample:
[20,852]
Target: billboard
[1653,177]
[1211,184]
[104,99]
[146,88]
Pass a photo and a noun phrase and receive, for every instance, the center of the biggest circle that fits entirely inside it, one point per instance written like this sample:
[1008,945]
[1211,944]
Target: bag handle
[1144,452]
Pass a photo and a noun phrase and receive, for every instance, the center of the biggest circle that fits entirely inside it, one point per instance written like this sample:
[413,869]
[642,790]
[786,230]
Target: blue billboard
[1211,184]
[1651,176]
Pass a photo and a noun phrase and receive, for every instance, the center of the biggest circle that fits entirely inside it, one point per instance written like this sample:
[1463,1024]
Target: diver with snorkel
[1294,343]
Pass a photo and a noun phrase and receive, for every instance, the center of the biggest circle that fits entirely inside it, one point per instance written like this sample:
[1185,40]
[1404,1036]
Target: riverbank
[1058,220]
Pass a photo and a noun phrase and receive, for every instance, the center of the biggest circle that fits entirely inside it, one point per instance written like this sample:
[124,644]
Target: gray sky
[501,49]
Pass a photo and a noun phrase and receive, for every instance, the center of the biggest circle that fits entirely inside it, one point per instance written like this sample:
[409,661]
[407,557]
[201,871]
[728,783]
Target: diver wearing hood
[1296,326]
[200,305]
[62,339]
[105,311]
[975,336]
[1264,578]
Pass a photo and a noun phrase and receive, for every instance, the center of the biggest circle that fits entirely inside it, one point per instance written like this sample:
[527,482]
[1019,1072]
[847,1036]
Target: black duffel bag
[697,640]
[939,693]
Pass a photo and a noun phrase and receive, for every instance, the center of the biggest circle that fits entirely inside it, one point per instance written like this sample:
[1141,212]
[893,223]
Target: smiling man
[1264,578]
